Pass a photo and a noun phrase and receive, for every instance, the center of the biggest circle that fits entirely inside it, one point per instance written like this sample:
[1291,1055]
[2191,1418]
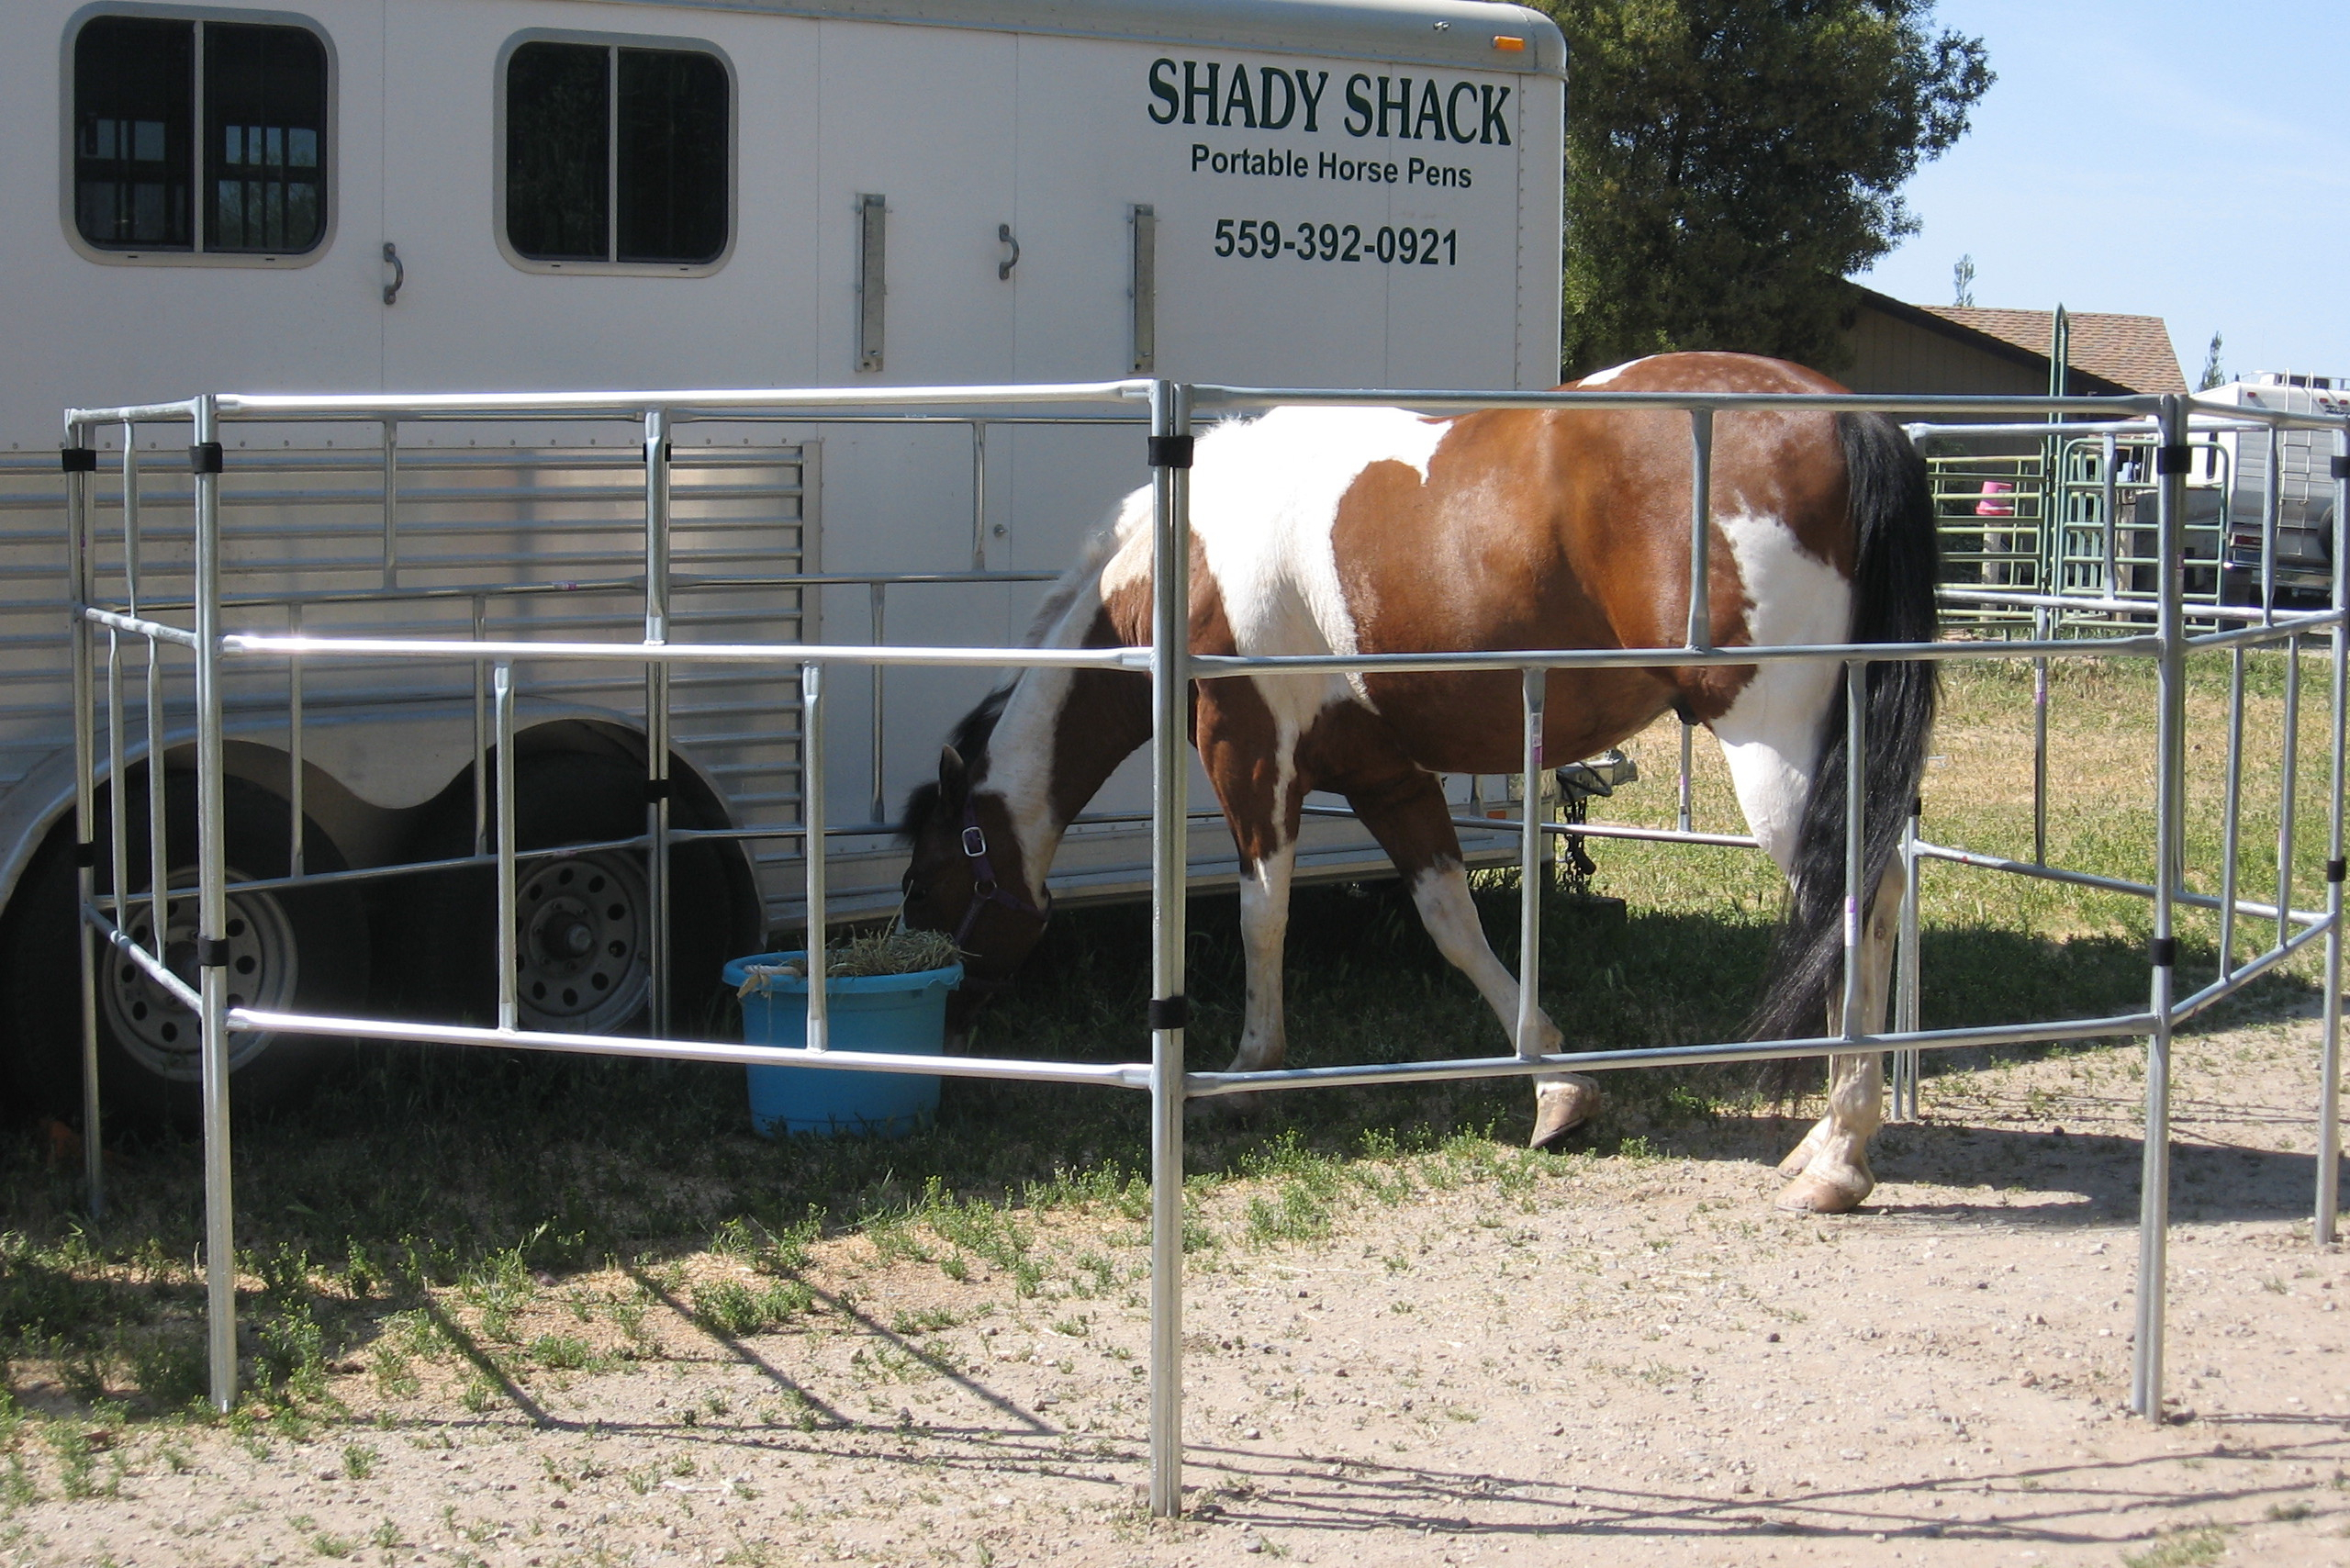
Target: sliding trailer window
[204,137]
[619,155]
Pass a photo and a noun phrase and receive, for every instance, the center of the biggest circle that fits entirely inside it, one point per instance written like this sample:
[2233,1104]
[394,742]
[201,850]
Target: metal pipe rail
[1172,667]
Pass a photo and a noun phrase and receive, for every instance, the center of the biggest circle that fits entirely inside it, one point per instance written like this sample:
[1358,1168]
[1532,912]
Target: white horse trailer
[564,195]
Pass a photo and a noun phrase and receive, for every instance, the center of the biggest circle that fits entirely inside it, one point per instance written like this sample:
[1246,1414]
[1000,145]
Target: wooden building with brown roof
[1898,347]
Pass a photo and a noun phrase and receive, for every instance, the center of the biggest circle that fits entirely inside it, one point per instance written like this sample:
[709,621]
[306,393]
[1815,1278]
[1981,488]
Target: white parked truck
[2299,465]
[566,195]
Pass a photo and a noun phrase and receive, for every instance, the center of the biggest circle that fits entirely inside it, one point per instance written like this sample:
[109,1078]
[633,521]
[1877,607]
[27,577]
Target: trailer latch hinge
[1169,1013]
[205,457]
[1170,452]
[2164,951]
[2177,459]
[79,459]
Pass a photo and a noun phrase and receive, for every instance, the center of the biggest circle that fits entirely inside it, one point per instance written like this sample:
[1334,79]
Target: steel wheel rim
[582,926]
[149,1023]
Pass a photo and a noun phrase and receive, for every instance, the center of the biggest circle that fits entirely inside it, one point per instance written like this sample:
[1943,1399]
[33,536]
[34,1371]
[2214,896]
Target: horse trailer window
[617,155]
[264,135]
[199,137]
[134,132]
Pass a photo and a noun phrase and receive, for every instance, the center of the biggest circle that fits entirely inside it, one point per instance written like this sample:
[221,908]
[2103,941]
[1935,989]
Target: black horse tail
[1896,562]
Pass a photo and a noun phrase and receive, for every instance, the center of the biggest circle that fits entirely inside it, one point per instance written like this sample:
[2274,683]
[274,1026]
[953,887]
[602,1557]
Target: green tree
[1730,161]
[2213,373]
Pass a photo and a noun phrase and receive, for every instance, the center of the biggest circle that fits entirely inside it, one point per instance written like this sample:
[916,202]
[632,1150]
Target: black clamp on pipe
[205,457]
[211,952]
[1170,452]
[2333,869]
[2341,469]
[2164,951]
[656,790]
[78,459]
[2179,459]
[1169,1013]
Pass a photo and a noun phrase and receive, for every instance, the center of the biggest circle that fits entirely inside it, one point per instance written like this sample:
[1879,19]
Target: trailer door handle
[1003,268]
[399,274]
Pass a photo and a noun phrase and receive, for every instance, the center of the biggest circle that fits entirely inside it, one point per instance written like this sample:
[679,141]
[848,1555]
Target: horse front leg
[1562,1100]
[1830,1167]
[1264,936]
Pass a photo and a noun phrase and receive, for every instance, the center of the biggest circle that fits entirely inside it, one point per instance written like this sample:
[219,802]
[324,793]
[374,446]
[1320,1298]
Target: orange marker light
[1509,45]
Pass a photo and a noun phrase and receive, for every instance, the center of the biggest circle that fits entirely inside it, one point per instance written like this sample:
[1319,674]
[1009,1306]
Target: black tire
[304,949]
[583,938]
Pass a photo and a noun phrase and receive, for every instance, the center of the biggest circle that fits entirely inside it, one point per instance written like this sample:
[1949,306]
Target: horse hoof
[1561,1108]
[1813,1193]
[1799,1158]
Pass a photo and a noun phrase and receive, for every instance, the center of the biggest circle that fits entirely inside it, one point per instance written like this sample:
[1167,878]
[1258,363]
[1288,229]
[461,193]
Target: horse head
[967,876]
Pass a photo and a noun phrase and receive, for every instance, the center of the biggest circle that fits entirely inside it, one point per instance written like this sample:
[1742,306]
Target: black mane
[969,739]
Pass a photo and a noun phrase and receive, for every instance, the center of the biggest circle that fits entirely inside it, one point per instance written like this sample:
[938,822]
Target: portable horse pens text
[2154,628]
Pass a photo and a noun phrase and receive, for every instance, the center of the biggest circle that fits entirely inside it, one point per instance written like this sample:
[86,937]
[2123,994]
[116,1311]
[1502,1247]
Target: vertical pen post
[1856,804]
[979,496]
[212,915]
[501,701]
[657,453]
[1701,498]
[2154,1210]
[877,597]
[1529,885]
[2288,787]
[811,825]
[1907,1063]
[80,462]
[1170,464]
[1688,731]
[2329,1098]
[2039,631]
[2232,812]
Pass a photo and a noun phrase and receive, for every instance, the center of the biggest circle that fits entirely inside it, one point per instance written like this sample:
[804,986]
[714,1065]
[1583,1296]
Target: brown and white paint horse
[1329,530]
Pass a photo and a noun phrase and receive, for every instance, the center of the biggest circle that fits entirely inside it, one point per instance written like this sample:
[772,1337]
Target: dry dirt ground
[1620,1359]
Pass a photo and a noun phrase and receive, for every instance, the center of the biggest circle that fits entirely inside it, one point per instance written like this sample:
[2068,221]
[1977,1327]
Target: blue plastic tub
[905,1014]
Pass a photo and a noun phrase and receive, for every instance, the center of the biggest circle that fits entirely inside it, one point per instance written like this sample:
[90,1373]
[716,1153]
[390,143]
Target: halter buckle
[975,842]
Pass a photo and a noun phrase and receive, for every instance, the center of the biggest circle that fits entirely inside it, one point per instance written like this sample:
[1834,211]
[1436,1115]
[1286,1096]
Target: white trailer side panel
[967,115]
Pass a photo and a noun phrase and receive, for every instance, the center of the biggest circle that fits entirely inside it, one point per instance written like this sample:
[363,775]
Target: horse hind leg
[1836,1178]
[1762,741]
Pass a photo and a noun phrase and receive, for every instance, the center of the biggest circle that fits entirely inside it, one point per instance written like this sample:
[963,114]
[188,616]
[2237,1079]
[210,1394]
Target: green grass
[426,1182]
[2189,1548]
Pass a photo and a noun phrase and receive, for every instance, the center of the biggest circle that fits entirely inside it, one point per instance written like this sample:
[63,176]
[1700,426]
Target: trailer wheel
[583,921]
[302,949]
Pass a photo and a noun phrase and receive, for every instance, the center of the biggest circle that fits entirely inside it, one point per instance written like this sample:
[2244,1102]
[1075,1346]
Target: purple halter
[986,890]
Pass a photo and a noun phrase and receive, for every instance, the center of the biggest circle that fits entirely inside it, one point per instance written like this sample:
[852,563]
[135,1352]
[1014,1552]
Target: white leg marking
[1562,1100]
[1264,933]
[1837,1177]
[1441,895]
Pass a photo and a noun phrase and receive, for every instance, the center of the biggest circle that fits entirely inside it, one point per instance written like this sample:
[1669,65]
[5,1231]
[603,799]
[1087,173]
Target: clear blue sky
[2186,161]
